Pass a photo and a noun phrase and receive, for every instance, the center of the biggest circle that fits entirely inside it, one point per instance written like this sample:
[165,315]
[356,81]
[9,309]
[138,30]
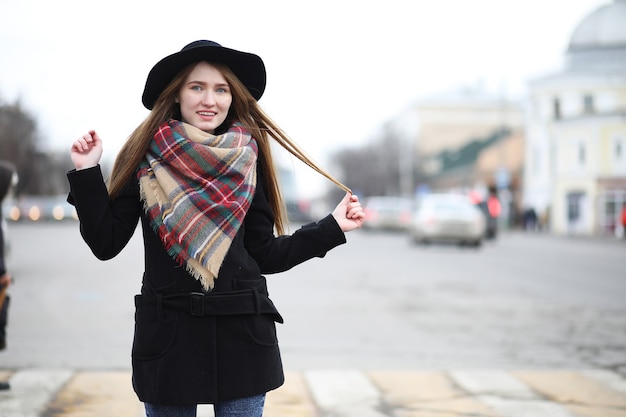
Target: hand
[86,151]
[349,213]
[5,280]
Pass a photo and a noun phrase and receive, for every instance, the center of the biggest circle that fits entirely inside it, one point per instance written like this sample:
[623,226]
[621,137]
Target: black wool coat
[191,346]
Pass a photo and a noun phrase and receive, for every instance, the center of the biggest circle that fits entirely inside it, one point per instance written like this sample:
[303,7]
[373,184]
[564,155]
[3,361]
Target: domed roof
[603,28]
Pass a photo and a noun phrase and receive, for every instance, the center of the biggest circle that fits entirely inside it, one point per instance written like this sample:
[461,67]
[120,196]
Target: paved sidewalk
[343,393]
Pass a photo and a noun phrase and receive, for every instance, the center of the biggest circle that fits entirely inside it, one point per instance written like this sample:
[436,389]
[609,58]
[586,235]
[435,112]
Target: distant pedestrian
[199,175]
[7,172]
[623,220]
[493,209]
[530,219]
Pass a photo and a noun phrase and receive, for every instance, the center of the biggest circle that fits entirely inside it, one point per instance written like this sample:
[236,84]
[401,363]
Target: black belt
[221,304]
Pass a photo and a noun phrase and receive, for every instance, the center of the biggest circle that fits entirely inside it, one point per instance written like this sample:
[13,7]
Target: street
[527,325]
[522,301]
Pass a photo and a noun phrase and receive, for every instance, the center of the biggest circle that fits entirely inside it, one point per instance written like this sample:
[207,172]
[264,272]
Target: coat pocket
[154,332]
[261,329]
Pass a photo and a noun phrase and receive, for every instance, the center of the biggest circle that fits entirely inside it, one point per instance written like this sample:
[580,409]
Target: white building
[575,171]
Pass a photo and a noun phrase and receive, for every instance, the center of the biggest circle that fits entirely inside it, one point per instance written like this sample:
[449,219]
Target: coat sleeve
[280,253]
[106,225]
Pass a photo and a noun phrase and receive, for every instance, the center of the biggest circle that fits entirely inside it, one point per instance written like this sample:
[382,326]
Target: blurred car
[387,213]
[37,208]
[447,217]
[299,211]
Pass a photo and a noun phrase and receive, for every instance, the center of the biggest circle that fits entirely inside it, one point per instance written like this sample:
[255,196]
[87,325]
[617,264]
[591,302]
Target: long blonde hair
[245,109]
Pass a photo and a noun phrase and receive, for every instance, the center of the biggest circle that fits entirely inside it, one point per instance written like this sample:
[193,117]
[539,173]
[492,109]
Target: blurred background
[521,102]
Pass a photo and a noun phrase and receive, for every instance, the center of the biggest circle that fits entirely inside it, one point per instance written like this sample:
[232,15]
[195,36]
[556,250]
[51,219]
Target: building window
[556,104]
[619,149]
[588,106]
[573,206]
[582,154]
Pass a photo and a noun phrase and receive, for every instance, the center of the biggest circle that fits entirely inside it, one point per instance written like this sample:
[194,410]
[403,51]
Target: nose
[208,98]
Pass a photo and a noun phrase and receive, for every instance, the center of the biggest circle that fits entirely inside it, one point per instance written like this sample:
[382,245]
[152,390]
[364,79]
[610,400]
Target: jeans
[242,407]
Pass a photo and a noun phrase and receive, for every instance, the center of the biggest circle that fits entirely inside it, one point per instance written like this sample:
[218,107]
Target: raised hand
[349,213]
[86,151]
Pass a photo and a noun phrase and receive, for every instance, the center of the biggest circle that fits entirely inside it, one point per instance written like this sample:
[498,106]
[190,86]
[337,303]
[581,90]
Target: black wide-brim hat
[248,67]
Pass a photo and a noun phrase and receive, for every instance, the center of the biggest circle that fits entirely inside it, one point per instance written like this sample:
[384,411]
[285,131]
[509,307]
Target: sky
[336,70]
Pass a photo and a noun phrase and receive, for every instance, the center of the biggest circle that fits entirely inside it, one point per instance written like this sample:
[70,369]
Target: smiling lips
[207,113]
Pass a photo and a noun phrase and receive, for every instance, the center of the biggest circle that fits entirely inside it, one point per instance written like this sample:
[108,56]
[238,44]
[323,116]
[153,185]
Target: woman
[198,173]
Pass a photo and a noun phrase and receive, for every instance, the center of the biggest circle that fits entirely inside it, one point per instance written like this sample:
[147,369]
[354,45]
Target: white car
[387,213]
[447,217]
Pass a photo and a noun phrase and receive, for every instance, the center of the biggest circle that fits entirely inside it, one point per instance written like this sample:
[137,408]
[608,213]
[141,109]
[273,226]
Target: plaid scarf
[196,189]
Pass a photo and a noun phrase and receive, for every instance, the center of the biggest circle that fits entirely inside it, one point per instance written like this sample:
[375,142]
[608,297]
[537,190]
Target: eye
[196,88]
[221,90]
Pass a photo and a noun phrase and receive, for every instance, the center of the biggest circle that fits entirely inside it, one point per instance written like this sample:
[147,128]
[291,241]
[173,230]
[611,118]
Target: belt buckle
[196,304]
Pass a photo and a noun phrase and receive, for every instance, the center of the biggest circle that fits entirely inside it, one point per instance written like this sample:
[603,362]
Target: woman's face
[205,98]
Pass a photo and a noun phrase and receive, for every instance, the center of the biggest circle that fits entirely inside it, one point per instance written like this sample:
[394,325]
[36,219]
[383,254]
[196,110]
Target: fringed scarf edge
[151,194]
